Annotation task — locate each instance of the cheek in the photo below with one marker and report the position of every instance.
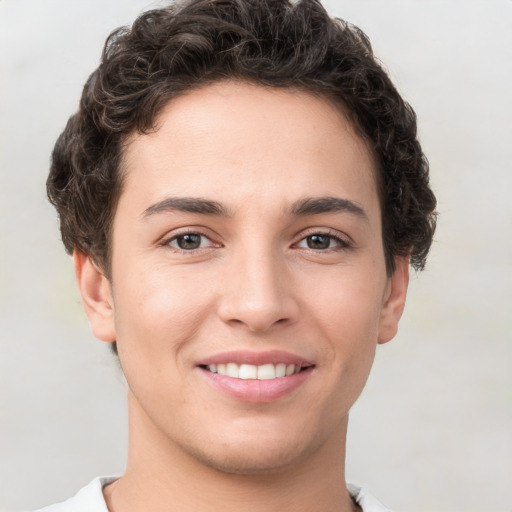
(348, 304)
(157, 315)
(347, 311)
(157, 308)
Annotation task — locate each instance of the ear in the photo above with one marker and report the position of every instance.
(394, 301)
(96, 293)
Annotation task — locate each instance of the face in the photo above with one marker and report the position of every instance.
(249, 287)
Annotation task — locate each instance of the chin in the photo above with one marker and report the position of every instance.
(257, 461)
(256, 453)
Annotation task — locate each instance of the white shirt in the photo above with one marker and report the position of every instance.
(90, 499)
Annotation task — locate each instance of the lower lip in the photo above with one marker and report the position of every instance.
(257, 391)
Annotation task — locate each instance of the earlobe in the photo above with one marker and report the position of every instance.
(96, 293)
(394, 301)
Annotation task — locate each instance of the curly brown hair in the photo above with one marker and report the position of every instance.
(275, 43)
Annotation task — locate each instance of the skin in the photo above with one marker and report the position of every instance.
(256, 282)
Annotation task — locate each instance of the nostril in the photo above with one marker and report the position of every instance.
(258, 308)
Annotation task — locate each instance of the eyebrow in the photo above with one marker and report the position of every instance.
(187, 204)
(301, 207)
(318, 205)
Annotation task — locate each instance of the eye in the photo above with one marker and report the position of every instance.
(190, 241)
(322, 242)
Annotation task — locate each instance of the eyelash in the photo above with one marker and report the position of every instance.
(168, 241)
(341, 244)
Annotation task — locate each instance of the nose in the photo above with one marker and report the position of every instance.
(258, 292)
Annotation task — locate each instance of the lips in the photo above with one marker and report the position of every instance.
(256, 376)
(255, 358)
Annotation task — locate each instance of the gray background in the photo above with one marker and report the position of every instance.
(433, 429)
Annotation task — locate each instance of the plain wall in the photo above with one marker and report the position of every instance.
(433, 429)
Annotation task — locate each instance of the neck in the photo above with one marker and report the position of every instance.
(161, 476)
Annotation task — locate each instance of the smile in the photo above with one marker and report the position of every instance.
(257, 377)
(267, 371)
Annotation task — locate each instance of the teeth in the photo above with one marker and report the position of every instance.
(248, 371)
(251, 371)
(232, 370)
(266, 372)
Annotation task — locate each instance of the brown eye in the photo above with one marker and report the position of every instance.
(323, 242)
(319, 241)
(188, 241)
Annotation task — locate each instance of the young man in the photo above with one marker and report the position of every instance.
(243, 193)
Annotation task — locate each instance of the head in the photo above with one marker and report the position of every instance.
(242, 185)
(277, 44)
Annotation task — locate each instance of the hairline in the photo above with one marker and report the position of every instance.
(125, 139)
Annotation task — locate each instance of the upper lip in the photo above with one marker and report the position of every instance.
(255, 358)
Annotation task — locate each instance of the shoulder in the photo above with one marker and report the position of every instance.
(365, 500)
(88, 499)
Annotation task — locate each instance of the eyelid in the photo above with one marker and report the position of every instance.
(344, 241)
(189, 230)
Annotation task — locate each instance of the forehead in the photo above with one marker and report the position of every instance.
(240, 141)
